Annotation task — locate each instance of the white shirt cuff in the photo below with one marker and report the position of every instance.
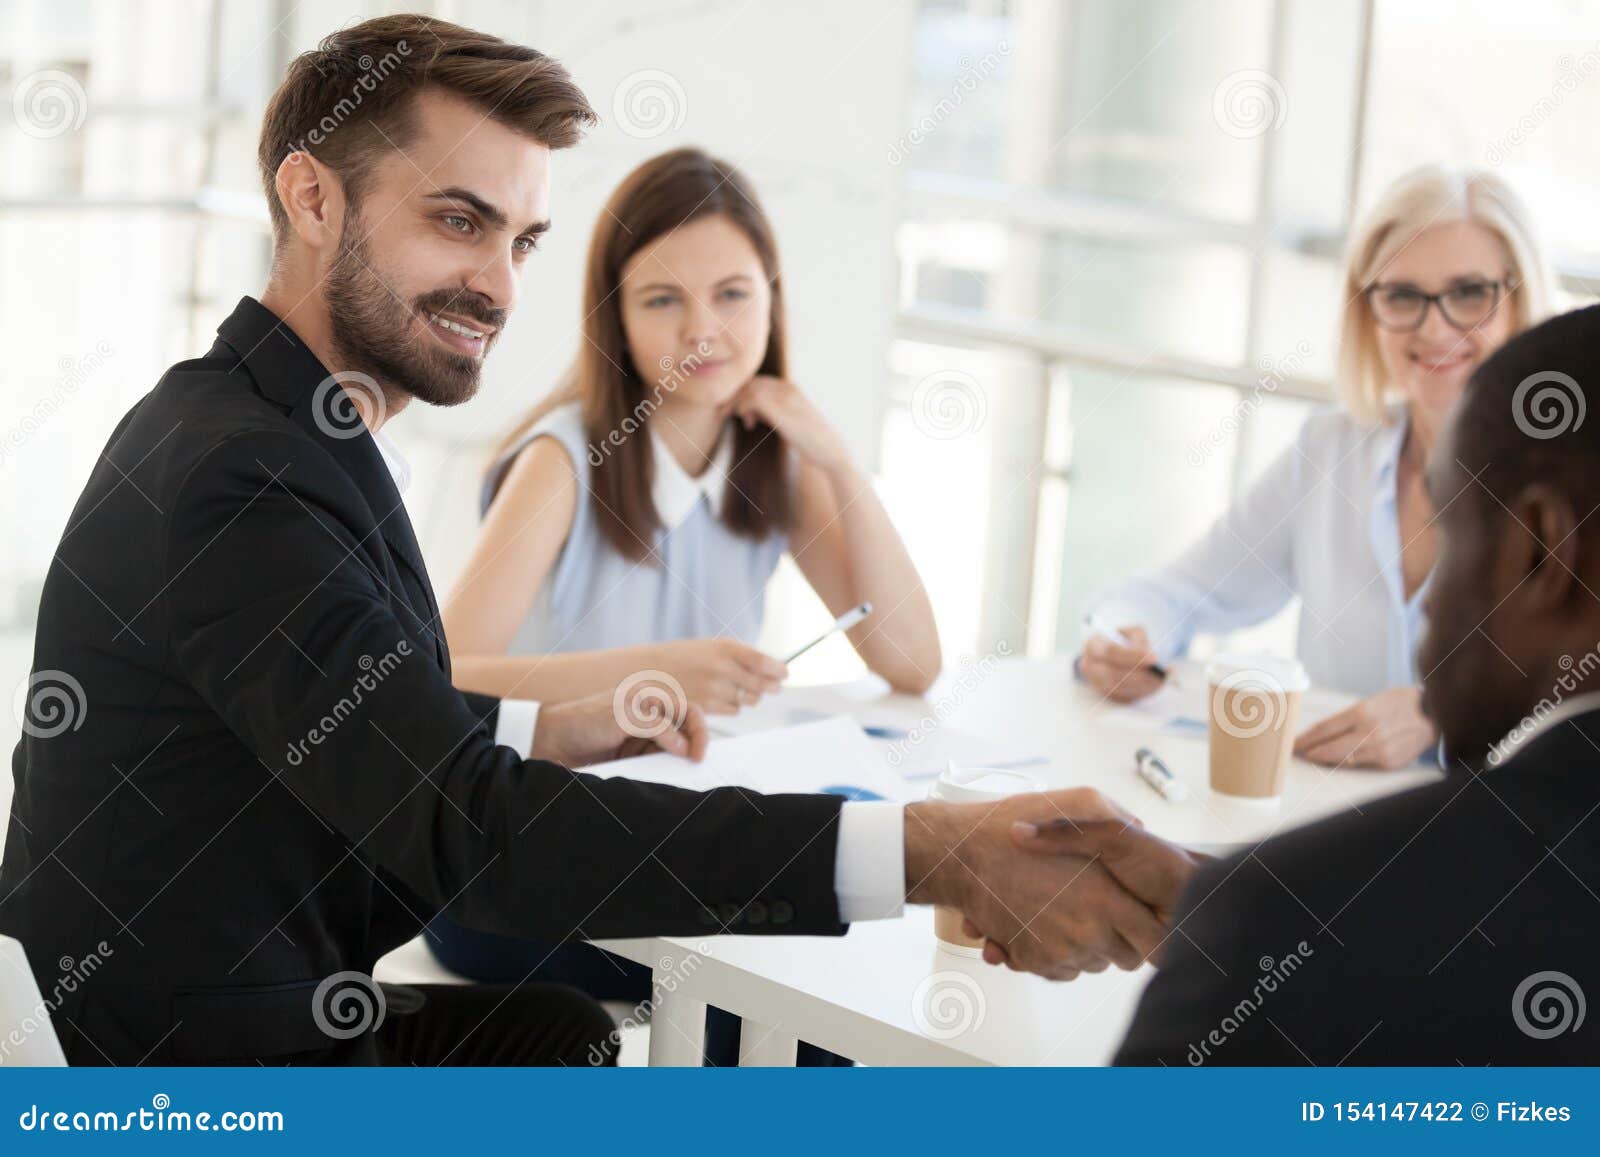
(869, 869)
(514, 724)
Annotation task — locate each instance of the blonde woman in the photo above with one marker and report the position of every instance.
(1442, 271)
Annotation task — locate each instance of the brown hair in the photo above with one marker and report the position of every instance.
(659, 196)
(350, 100)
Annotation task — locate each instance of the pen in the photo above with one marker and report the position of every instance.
(843, 623)
(1099, 626)
(1155, 773)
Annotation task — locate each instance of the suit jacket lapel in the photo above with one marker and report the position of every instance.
(285, 370)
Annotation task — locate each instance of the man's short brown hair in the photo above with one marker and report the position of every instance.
(351, 99)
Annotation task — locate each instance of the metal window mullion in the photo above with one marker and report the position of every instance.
(1266, 225)
(1363, 102)
(961, 327)
(1053, 493)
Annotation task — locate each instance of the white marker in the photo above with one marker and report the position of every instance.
(843, 623)
(1157, 775)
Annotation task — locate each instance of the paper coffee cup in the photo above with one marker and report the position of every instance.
(1253, 706)
(959, 784)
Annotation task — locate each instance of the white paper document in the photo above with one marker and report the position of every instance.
(826, 755)
(1181, 710)
(907, 737)
(922, 754)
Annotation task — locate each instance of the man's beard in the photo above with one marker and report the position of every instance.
(374, 331)
(1473, 695)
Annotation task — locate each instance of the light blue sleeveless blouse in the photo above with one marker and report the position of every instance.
(710, 581)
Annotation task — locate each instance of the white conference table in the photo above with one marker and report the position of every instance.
(885, 993)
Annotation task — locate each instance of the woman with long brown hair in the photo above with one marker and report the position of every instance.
(633, 519)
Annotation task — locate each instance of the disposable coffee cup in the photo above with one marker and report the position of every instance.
(1253, 710)
(959, 784)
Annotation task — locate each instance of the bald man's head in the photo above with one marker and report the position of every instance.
(1512, 603)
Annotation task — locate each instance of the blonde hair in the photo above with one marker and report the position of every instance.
(1424, 197)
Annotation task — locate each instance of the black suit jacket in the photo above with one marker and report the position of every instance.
(1455, 923)
(271, 780)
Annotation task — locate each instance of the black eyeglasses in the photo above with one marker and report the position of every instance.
(1402, 308)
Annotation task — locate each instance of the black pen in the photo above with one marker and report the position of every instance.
(1100, 627)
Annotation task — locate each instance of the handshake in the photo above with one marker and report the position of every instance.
(1055, 883)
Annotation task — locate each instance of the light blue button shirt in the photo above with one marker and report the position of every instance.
(1322, 525)
(705, 581)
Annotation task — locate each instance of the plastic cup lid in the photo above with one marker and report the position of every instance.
(1258, 672)
(963, 784)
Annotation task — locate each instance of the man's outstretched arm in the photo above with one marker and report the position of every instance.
(308, 665)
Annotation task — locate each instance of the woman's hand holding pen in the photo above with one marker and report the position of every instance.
(721, 675)
(1122, 674)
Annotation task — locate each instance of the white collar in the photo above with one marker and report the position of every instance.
(676, 492)
(399, 468)
(1536, 724)
(1398, 417)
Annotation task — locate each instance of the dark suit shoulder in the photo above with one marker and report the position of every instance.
(1466, 829)
(206, 417)
(200, 402)
(1407, 926)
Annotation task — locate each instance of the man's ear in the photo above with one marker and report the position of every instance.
(1540, 549)
(312, 197)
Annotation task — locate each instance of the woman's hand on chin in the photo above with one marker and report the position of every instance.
(785, 407)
